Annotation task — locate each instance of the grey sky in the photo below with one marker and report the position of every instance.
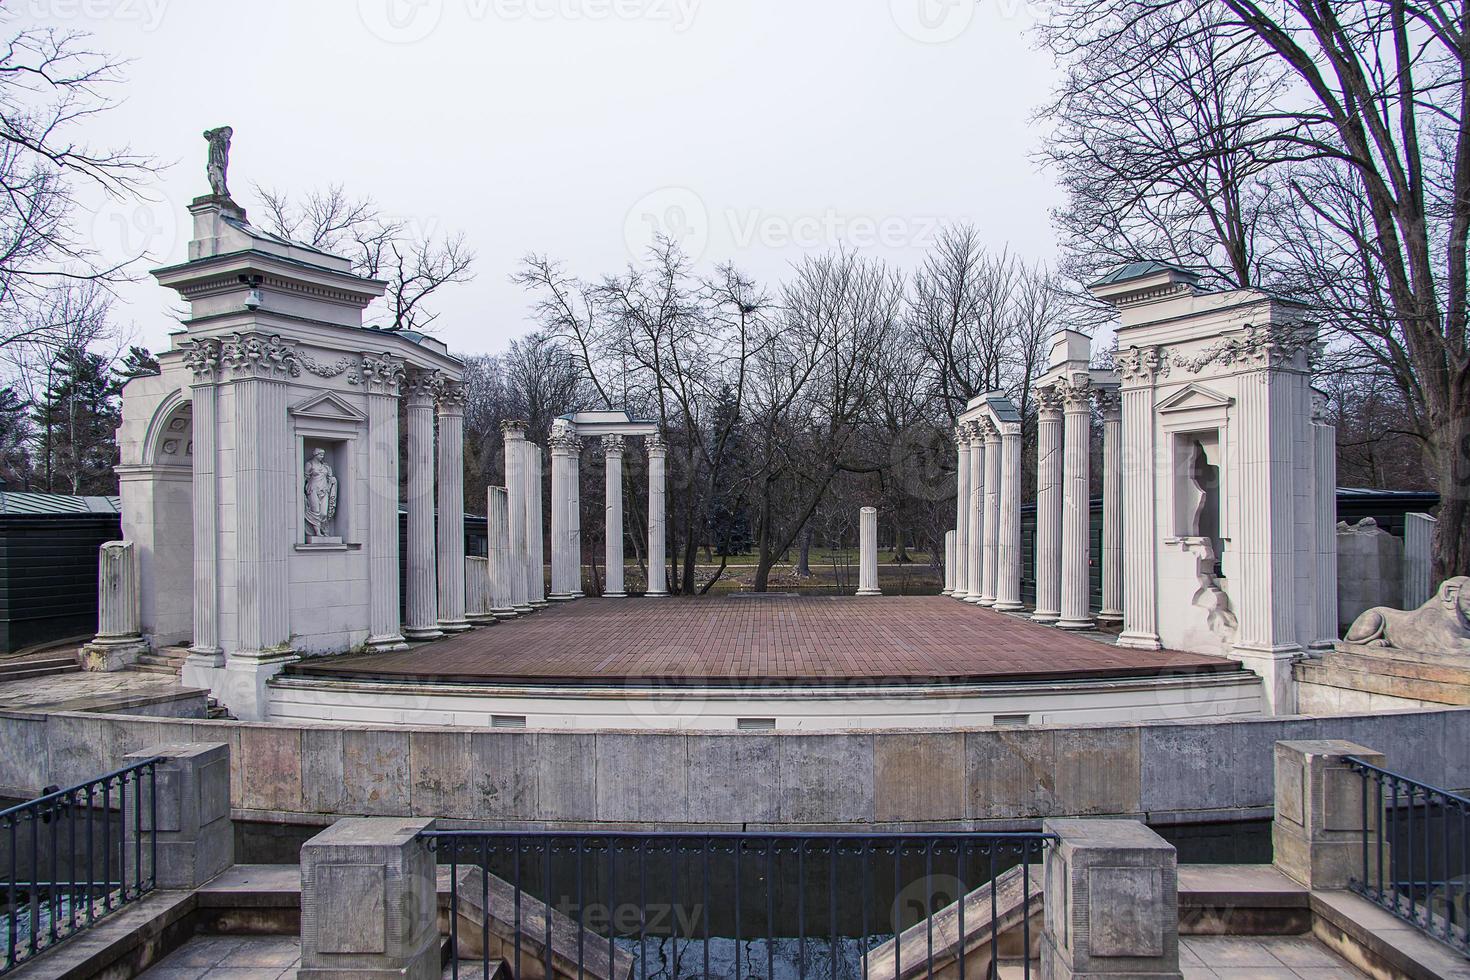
(757, 128)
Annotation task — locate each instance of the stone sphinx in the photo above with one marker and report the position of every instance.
(1441, 625)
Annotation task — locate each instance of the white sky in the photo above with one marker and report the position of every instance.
(757, 128)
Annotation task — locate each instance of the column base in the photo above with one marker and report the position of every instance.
(655, 595)
(422, 634)
(387, 643)
(987, 600)
(110, 655)
(1110, 617)
(1008, 607)
(869, 592)
(242, 685)
(524, 609)
(504, 614)
(455, 625)
(1273, 666)
(1076, 624)
(960, 594)
(974, 599)
(1139, 641)
(615, 595)
(481, 619)
(1046, 615)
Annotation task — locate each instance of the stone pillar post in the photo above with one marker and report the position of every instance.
(423, 588)
(1112, 902)
(1112, 529)
(991, 555)
(1318, 833)
(612, 449)
(868, 552)
(1048, 506)
(962, 512)
(369, 901)
(1324, 512)
(518, 555)
(119, 639)
(381, 377)
(948, 563)
(975, 558)
(203, 358)
(535, 528)
(1076, 505)
(658, 452)
(451, 508)
(189, 797)
(1418, 550)
(477, 598)
(1138, 368)
(563, 474)
(502, 570)
(1008, 537)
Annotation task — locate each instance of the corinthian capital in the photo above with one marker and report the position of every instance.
(263, 356)
(420, 385)
(450, 396)
(612, 445)
(203, 358)
(379, 374)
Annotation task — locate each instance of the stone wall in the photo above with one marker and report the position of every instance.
(992, 777)
(1370, 570)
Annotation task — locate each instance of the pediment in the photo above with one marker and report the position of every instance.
(328, 405)
(1193, 397)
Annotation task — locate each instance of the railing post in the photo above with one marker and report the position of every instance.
(188, 805)
(1323, 832)
(1111, 902)
(369, 905)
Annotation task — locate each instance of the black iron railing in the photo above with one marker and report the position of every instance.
(738, 905)
(73, 856)
(1415, 862)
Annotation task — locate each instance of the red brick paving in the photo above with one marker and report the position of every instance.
(926, 638)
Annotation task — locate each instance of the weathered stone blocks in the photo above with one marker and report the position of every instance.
(188, 802)
(1321, 821)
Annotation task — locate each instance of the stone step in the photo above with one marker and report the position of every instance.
(166, 669)
(499, 969)
(37, 663)
(38, 670)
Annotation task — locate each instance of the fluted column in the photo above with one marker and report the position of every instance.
(382, 376)
(962, 512)
(1048, 506)
(612, 449)
(1076, 504)
(1112, 530)
(451, 507)
(1325, 511)
(518, 556)
(477, 599)
(117, 593)
(1008, 544)
(574, 519)
(1137, 367)
(535, 528)
(658, 452)
(503, 572)
(868, 552)
(563, 475)
(975, 559)
(423, 590)
(948, 563)
(991, 522)
(203, 357)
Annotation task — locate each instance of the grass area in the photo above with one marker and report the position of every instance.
(819, 556)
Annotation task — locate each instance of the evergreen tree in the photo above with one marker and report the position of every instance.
(138, 362)
(15, 433)
(77, 419)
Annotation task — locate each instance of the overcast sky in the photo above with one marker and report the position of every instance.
(756, 129)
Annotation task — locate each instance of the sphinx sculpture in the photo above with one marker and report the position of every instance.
(1441, 625)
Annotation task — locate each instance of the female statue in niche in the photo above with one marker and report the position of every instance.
(321, 495)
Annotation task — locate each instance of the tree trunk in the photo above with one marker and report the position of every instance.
(804, 559)
(900, 546)
(763, 559)
(1450, 445)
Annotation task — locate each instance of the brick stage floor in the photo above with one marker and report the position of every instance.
(740, 640)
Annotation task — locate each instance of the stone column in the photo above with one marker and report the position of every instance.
(381, 377)
(868, 552)
(518, 556)
(203, 358)
(1138, 368)
(1111, 904)
(451, 508)
(119, 639)
(962, 512)
(1324, 512)
(1008, 538)
(1418, 557)
(1319, 828)
(535, 528)
(478, 604)
(502, 570)
(612, 449)
(369, 901)
(574, 520)
(1048, 506)
(1076, 505)
(189, 798)
(423, 588)
(658, 452)
(948, 563)
(975, 558)
(1112, 529)
(991, 523)
(563, 474)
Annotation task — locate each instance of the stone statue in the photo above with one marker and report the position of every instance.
(219, 160)
(321, 495)
(1441, 625)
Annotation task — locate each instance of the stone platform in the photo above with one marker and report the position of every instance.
(1358, 677)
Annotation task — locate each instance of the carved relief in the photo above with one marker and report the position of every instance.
(323, 370)
(379, 374)
(1141, 365)
(320, 489)
(450, 395)
(203, 358)
(1255, 346)
(420, 385)
(263, 356)
(612, 445)
(1049, 400)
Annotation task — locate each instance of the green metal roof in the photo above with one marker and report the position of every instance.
(43, 504)
(1138, 270)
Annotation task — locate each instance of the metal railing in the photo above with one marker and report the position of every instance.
(1415, 861)
(74, 856)
(739, 905)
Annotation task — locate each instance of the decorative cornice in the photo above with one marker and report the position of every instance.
(264, 357)
(379, 374)
(203, 358)
(1254, 347)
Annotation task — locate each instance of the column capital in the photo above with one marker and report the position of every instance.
(1049, 402)
(1141, 366)
(1009, 430)
(420, 386)
(1076, 395)
(514, 428)
(990, 433)
(564, 443)
(449, 395)
(203, 358)
(379, 374)
(612, 445)
(655, 445)
(1109, 402)
(260, 356)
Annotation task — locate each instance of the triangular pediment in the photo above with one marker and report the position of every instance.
(1192, 397)
(328, 405)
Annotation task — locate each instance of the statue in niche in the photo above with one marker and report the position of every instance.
(1441, 625)
(219, 160)
(321, 495)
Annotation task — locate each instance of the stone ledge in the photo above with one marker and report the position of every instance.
(1378, 943)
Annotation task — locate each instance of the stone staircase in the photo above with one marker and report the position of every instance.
(168, 660)
(43, 666)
